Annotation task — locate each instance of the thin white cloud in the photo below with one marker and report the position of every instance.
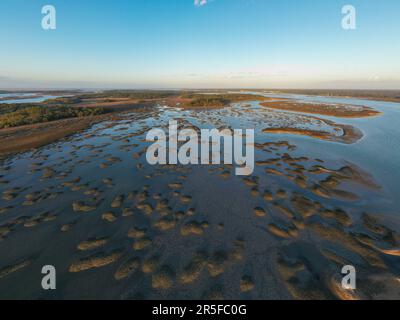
(200, 3)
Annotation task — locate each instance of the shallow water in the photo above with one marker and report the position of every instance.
(378, 151)
(25, 100)
(196, 232)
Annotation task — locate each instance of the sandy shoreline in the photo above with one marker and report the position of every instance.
(28, 137)
(332, 110)
(350, 134)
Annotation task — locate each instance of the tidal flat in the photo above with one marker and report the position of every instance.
(325, 193)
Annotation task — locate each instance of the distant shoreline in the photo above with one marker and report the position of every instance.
(367, 94)
(19, 97)
(376, 95)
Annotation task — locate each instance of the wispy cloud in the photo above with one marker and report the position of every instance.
(200, 3)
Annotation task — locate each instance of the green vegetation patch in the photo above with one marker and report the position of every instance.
(207, 102)
(37, 114)
(218, 100)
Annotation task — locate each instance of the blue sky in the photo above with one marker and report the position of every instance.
(176, 44)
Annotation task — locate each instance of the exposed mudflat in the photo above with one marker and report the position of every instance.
(115, 227)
